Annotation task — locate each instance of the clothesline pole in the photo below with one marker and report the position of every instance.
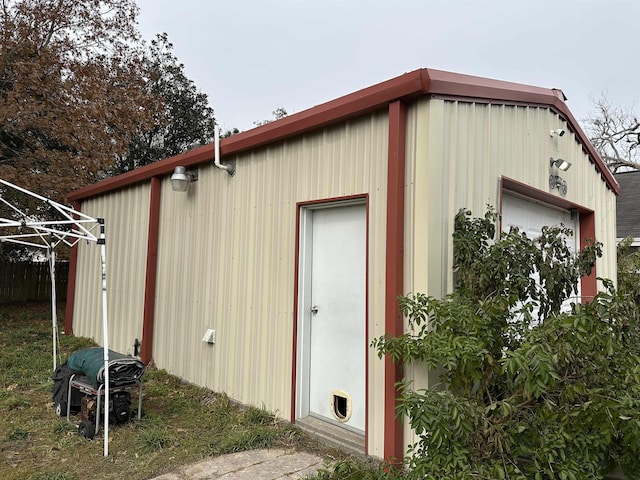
(105, 334)
(54, 317)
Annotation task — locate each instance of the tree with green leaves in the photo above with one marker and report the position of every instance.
(528, 391)
(278, 113)
(184, 121)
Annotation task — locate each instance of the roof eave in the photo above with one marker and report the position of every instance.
(373, 98)
(410, 85)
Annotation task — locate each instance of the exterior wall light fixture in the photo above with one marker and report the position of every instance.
(555, 181)
(560, 164)
(181, 179)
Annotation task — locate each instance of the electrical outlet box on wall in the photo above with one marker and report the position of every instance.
(209, 336)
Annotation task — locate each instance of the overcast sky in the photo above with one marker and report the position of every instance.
(253, 56)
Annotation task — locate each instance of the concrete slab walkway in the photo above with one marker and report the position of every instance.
(269, 464)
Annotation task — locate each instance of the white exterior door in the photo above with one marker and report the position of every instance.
(530, 217)
(333, 316)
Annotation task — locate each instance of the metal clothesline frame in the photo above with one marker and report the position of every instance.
(73, 227)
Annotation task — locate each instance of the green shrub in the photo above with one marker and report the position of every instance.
(532, 393)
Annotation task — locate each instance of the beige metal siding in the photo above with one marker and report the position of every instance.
(226, 256)
(226, 261)
(458, 153)
(126, 214)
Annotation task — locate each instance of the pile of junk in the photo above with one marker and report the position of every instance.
(79, 387)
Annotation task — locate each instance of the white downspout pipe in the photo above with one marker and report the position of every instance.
(216, 145)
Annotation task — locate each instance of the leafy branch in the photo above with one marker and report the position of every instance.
(530, 389)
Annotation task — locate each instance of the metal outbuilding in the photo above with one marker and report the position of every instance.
(270, 284)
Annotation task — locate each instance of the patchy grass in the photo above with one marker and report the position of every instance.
(181, 423)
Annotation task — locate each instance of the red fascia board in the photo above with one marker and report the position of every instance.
(407, 86)
(460, 85)
(373, 98)
(192, 157)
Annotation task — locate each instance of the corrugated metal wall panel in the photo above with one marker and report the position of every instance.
(126, 214)
(458, 153)
(227, 261)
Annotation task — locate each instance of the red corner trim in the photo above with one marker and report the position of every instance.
(588, 283)
(394, 325)
(148, 315)
(71, 284)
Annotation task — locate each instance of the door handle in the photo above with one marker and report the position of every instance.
(314, 309)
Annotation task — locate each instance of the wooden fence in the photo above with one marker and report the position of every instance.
(31, 282)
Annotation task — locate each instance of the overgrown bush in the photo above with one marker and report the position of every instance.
(532, 391)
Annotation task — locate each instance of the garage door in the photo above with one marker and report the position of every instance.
(530, 217)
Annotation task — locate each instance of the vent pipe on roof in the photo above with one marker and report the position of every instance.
(231, 168)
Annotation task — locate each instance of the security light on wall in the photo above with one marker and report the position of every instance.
(560, 164)
(181, 179)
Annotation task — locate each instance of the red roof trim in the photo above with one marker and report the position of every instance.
(163, 167)
(377, 97)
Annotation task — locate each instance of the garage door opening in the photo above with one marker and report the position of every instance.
(529, 216)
